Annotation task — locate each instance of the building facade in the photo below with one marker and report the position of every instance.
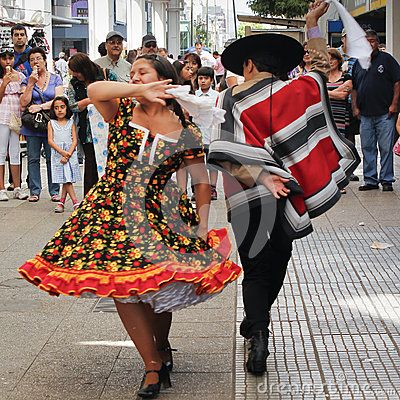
(81, 25)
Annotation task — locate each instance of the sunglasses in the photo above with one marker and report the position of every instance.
(151, 44)
(115, 42)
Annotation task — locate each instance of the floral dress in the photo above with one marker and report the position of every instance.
(133, 237)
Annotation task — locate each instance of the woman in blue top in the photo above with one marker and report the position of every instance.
(41, 83)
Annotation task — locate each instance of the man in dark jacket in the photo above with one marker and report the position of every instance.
(375, 101)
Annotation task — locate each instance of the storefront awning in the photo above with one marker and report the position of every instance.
(71, 21)
(292, 23)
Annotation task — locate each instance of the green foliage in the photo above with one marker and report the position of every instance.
(276, 8)
(242, 27)
(200, 32)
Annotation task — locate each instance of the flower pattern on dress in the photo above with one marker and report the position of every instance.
(134, 232)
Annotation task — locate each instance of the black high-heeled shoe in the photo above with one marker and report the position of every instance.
(169, 363)
(151, 391)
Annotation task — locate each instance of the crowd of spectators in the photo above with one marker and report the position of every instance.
(363, 102)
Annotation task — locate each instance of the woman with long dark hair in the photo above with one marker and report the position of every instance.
(139, 241)
(184, 72)
(85, 72)
(194, 61)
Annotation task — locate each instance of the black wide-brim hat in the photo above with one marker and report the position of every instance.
(288, 51)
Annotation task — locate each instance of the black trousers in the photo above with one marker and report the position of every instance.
(90, 176)
(264, 267)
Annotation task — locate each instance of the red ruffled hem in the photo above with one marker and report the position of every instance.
(55, 280)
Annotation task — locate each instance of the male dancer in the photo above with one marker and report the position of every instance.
(284, 163)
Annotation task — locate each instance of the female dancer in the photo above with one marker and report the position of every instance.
(132, 238)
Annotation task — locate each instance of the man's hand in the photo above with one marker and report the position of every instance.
(316, 10)
(356, 112)
(275, 184)
(392, 110)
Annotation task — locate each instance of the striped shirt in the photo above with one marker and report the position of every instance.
(340, 108)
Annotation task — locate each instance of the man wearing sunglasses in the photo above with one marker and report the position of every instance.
(149, 45)
(113, 60)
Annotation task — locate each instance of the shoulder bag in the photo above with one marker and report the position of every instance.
(36, 122)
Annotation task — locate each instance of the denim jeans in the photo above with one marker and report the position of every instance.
(377, 132)
(34, 146)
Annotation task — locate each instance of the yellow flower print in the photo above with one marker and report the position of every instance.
(158, 236)
(78, 265)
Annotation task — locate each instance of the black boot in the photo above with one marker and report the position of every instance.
(258, 353)
(245, 328)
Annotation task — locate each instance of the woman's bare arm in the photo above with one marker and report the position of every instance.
(202, 191)
(103, 94)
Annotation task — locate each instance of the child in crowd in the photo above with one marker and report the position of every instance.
(63, 140)
(10, 91)
(205, 78)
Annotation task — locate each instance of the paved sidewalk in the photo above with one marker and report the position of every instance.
(335, 327)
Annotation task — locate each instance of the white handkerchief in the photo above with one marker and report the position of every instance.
(357, 44)
(202, 111)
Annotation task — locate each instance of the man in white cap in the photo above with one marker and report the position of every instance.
(61, 67)
(113, 60)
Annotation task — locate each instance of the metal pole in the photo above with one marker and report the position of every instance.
(234, 17)
(206, 23)
(191, 23)
(215, 25)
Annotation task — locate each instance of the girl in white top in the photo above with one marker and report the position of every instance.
(63, 140)
(10, 91)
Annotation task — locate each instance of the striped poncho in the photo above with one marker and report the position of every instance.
(292, 135)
